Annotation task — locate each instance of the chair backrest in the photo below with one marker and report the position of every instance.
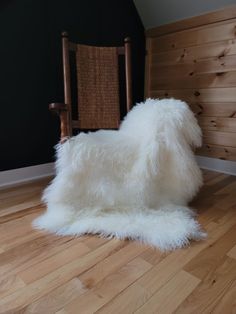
(97, 72)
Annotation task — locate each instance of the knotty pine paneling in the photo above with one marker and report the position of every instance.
(198, 65)
(219, 138)
(218, 124)
(192, 95)
(221, 152)
(189, 54)
(190, 80)
(193, 37)
(217, 109)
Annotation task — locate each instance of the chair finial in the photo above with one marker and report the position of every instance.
(64, 34)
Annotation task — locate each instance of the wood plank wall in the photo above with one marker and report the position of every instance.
(198, 64)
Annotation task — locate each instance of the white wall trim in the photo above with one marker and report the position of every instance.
(13, 177)
(16, 176)
(225, 166)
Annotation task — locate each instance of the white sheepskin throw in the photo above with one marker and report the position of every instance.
(131, 183)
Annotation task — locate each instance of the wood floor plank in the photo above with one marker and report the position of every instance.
(232, 252)
(21, 239)
(167, 299)
(210, 176)
(91, 301)
(153, 256)
(19, 211)
(211, 289)
(32, 252)
(16, 227)
(10, 284)
(211, 257)
(93, 242)
(135, 296)
(139, 292)
(57, 298)
(46, 284)
(24, 188)
(212, 214)
(206, 197)
(20, 202)
(229, 204)
(21, 197)
(227, 304)
(228, 189)
(44, 273)
(216, 179)
(52, 263)
(110, 264)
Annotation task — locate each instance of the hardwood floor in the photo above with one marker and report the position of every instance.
(43, 273)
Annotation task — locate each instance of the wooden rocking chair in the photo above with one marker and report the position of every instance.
(97, 72)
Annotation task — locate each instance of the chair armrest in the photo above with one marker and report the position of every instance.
(58, 107)
(62, 110)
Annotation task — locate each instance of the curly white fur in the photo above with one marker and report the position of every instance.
(131, 183)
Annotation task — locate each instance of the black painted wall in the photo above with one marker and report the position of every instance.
(31, 69)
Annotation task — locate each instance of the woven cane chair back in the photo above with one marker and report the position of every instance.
(97, 71)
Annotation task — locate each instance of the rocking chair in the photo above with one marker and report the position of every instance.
(98, 102)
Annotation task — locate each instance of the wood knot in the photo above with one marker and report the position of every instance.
(200, 106)
(221, 55)
(213, 123)
(196, 93)
(89, 283)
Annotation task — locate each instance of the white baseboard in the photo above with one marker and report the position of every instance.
(16, 176)
(13, 177)
(225, 166)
